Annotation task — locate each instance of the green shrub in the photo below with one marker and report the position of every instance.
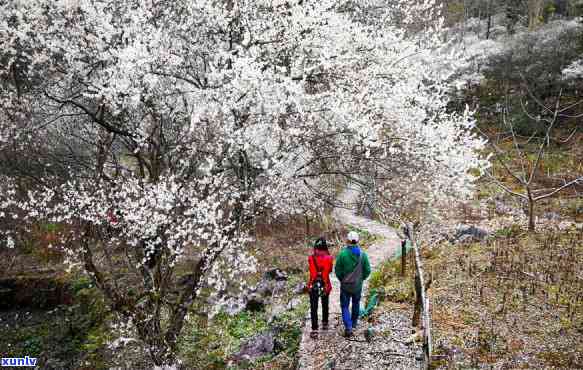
(388, 280)
(511, 231)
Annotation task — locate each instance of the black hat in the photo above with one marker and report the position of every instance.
(321, 244)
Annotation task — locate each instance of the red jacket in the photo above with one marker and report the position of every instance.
(325, 262)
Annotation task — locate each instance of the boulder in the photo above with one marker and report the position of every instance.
(276, 311)
(502, 208)
(234, 306)
(468, 233)
(293, 303)
(256, 303)
(259, 345)
(300, 288)
(264, 288)
(275, 274)
(269, 287)
(51, 363)
(551, 216)
(272, 284)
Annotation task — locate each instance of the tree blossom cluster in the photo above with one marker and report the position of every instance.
(164, 129)
(522, 48)
(574, 70)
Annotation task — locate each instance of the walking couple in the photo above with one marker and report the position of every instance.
(352, 268)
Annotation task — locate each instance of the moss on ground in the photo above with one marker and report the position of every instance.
(211, 344)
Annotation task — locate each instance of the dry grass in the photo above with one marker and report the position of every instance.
(285, 244)
(515, 301)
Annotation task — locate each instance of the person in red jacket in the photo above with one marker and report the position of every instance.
(319, 286)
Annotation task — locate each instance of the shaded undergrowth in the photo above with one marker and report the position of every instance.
(212, 344)
(69, 336)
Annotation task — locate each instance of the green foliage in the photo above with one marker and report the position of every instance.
(490, 92)
(209, 344)
(69, 334)
(511, 231)
(50, 227)
(549, 11)
(83, 282)
(387, 279)
(455, 10)
(242, 325)
(32, 344)
(202, 345)
(289, 326)
(377, 279)
(94, 343)
(524, 125)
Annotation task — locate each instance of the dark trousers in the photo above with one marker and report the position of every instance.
(350, 317)
(314, 308)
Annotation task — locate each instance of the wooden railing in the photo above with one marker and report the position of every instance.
(422, 302)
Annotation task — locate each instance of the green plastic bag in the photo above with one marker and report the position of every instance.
(373, 300)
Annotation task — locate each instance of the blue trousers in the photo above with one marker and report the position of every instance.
(350, 317)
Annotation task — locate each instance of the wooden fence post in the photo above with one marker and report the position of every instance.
(420, 293)
(403, 257)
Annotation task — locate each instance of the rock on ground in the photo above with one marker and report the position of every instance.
(257, 346)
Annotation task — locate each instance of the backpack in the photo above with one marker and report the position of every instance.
(351, 282)
(318, 287)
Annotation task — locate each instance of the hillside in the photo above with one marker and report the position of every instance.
(166, 168)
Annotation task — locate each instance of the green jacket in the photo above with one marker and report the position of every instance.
(346, 263)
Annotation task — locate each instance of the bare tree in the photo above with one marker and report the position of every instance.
(529, 172)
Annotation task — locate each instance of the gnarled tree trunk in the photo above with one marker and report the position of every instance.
(535, 12)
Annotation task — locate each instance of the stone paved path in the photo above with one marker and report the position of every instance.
(315, 354)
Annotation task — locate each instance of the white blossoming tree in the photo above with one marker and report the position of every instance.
(162, 130)
(574, 70)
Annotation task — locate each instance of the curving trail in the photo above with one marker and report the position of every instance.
(323, 352)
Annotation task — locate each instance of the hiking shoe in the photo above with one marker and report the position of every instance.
(347, 333)
(324, 326)
(314, 335)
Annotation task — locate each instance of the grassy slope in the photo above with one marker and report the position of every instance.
(515, 300)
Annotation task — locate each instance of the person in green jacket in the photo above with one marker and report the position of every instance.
(346, 263)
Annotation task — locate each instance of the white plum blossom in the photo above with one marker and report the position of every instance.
(574, 70)
(165, 129)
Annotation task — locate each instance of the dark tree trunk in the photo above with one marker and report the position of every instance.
(531, 224)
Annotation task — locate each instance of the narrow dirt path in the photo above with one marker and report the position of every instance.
(331, 350)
